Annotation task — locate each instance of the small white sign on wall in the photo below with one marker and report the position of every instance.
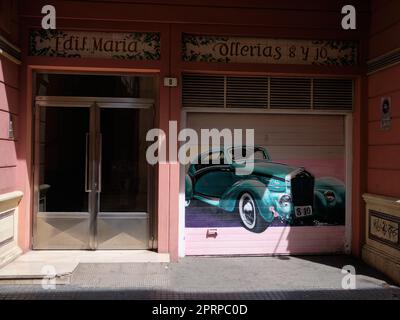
(386, 113)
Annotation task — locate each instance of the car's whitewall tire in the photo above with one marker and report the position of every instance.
(249, 215)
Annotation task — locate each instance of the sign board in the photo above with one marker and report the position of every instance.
(85, 44)
(271, 51)
(386, 113)
(384, 228)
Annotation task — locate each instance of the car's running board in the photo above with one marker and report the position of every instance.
(208, 200)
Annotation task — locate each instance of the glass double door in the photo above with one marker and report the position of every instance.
(92, 179)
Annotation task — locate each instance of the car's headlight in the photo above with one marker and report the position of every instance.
(329, 196)
(285, 200)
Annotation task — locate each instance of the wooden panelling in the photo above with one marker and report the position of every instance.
(384, 182)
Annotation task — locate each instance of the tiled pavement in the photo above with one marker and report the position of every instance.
(252, 278)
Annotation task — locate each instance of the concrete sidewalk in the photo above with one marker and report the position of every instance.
(216, 278)
(31, 267)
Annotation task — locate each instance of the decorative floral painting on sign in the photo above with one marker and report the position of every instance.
(272, 51)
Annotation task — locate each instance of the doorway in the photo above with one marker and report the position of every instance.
(93, 185)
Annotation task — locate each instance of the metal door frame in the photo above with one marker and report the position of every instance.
(94, 104)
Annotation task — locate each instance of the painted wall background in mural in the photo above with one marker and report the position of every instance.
(298, 177)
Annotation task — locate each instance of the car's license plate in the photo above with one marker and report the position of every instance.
(304, 211)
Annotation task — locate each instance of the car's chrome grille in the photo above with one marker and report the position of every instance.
(303, 189)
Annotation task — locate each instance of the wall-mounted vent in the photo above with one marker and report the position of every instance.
(383, 62)
(203, 91)
(333, 94)
(267, 92)
(289, 93)
(246, 92)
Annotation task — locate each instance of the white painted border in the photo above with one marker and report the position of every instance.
(348, 127)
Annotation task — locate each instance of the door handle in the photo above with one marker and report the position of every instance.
(100, 161)
(86, 163)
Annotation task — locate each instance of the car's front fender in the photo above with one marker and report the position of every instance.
(330, 211)
(257, 189)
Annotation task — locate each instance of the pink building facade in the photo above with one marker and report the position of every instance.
(77, 103)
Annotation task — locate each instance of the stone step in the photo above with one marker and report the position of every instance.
(38, 267)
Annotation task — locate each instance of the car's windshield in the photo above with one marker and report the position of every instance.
(216, 157)
(240, 155)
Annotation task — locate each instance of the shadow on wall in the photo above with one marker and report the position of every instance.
(10, 134)
(14, 155)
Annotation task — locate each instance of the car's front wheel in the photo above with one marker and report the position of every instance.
(249, 215)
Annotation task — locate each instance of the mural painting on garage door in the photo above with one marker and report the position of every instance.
(297, 181)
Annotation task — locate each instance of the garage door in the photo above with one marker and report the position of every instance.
(294, 201)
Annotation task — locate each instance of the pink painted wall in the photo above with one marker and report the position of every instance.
(275, 18)
(9, 95)
(384, 145)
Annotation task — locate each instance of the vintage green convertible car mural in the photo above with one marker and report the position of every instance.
(272, 191)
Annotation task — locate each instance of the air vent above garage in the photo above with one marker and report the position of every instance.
(290, 93)
(333, 94)
(246, 92)
(214, 91)
(203, 91)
